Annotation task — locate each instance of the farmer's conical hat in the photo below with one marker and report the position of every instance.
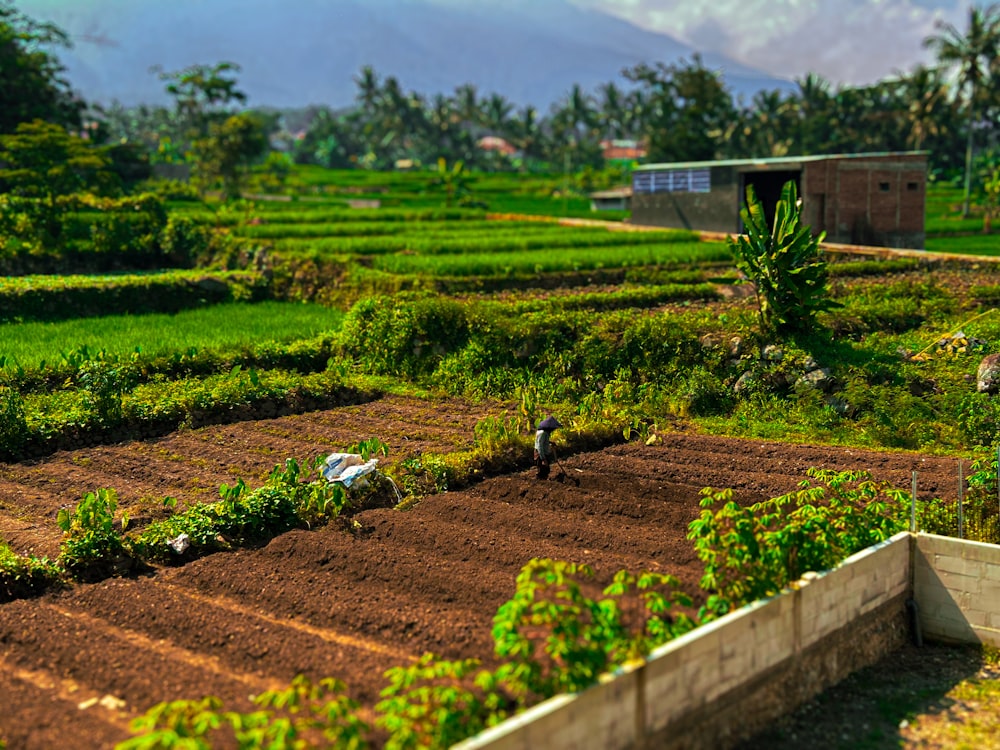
(549, 423)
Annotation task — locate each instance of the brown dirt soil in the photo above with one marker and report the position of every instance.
(331, 603)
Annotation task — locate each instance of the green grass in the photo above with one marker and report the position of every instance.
(227, 326)
(553, 260)
(976, 244)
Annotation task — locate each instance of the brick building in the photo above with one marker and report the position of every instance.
(858, 199)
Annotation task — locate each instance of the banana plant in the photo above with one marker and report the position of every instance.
(784, 263)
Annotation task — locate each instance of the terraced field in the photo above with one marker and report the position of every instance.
(348, 600)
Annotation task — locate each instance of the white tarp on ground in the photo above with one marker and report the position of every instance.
(350, 469)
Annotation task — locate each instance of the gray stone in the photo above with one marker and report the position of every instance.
(772, 353)
(988, 375)
(743, 382)
(820, 378)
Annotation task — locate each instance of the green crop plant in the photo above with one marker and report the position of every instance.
(105, 383)
(425, 474)
(369, 448)
(784, 263)
(305, 715)
(176, 725)
(495, 436)
(13, 425)
(434, 704)
(91, 543)
(754, 552)
(652, 607)
(578, 634)
(23, 576)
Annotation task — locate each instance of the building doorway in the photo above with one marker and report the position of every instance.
(767, 186)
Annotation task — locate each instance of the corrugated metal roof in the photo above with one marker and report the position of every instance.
(792, 161)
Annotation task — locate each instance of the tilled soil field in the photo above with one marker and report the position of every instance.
(78, 664)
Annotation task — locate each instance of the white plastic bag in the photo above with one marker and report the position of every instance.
(336, 463)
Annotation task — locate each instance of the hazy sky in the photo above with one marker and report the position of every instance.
(848, 41)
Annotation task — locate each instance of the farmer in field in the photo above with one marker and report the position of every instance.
(545, 452)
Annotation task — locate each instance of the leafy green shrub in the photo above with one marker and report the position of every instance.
(92, 546)
(434, 704)
(105, 383)
(239, 517)
(702, 393)
(304, 715)
(754, 552)
(425, 474)
(498, 435)
(183, 240)
(170, 190)
(580, 637)
(13, 425)
(24, 576)
(979, 418)
(407, 335)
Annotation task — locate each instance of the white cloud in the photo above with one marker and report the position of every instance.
(846, 41)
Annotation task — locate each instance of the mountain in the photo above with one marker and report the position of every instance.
(299, 52)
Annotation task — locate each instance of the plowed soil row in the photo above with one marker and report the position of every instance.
(76, 665)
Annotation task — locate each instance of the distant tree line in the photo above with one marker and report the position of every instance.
(680, 112)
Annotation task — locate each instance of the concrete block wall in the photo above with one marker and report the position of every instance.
(726, 680)
(957, 589)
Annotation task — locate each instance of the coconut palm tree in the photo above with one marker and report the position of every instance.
(927, 94)
(368, 88)
(611, 111)
(972, 54)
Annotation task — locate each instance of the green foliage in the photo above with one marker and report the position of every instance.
(13, 426)
(433, 704)
(43, 160)
(24, 576)
(701, 392)
(499, 435)
(176, 725)
(227, 152)
(105, 383)
(754, 552)
(784, 264)
(32, 85)
(183, 241)
(317, 501)
(553, 638)
(369, 448)
(407, 335)
(425, 474)
(240, 516)
(91, 543)
(49, 298)
(304, 715)
(979, 418)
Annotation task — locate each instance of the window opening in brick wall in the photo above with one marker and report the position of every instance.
(672, 181)
(883, 187)
(914, 186)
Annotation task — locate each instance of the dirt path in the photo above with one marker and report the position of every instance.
(82, 662)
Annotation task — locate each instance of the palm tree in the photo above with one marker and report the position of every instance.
(496, 114)
(611, 111)
(926, 92)
(368, 88)
(972, 53)
(467, 104)
(815, 116)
